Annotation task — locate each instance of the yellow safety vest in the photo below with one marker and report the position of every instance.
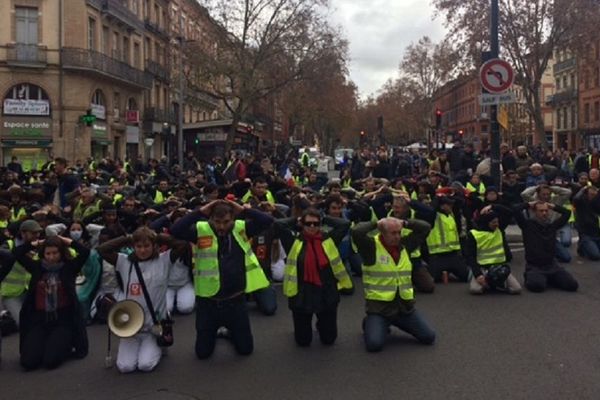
(490, 247)
(290, 277)
(480, 189)
(383, 280)
(118, 197)
(248, 196)
(207, 280)
(443, 238)
(347, 183)
(17, 280)
(159, 198)
(81, 213)
(571, 208)
(21, 214)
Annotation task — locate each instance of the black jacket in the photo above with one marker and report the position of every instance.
(67, 276)
(540, 239)
(586, 214)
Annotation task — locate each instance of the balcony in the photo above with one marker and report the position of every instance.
(160, 72)
(26, 55)
(564, 65)
(155, 114)
(93, 61)
(565, 96)
(156, 29)
(117, 10)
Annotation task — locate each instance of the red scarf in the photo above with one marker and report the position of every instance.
(393, 250)
(314, 258)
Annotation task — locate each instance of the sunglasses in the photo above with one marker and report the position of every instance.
(313, 224)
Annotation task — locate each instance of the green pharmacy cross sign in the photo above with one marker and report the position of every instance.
(88, 119)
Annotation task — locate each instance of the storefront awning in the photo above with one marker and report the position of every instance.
(27, 143)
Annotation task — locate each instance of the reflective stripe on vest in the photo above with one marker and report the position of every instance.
(117, 198)
(249, 195)
(290, 277)
(571, 208)
(443, 238)
(17, 280)
(81, 213)
(480, 190)
(385, 278)
(206, 270)
(21, 214)
(490, 247)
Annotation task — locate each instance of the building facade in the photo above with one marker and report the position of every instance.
(565, 101)
(589, 95)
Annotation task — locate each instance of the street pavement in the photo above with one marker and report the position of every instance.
(496, 346)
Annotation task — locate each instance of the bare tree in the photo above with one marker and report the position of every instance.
(530, 30)
(260, 48)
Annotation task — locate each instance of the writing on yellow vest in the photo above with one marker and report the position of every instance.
(386, 278)
(207, 280)
(290, 277)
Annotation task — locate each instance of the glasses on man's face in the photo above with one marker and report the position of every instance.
(314, 224)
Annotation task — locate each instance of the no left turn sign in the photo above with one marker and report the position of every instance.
(496, 76)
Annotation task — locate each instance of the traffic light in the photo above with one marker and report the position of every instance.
(438, 118)
(88, 119)
(461, 132)
(362, 134)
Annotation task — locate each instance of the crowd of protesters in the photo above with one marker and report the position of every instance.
(211, 235)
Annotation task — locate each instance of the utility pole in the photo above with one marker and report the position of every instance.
(494, 127)
(181, 96)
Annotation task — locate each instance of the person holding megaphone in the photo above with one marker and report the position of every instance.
(138, 348)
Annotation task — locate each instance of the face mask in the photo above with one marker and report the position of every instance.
(75, 235)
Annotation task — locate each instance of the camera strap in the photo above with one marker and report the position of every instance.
(145, 291)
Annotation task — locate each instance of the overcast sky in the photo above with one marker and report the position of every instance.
(378, 32)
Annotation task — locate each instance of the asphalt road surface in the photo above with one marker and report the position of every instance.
(532, 346)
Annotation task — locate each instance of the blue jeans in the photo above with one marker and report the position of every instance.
(376, 328)
(589, 246)
(562, 252)
(565, 235)
(266, 300)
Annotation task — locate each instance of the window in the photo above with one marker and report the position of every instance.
(157, 53)
(564, 84)
(105, 40)
(27, 25)
(134, 6)
(157, 96)
(148, 49)
(132, 104)
(26, 91)
(597, 111)
(115, 46)
(157, 14)
(558, 114)
(557, 84)
(91, 34)
(165, 98)
(572, 81)
(596, 77)
(136, 56)
(146, 9)
(586, 113)
(126, 49)
(565, 118)
(117, 105)
(573, 116)
(98, 98)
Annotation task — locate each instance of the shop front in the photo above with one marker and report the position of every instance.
(208, 139)
(27, 138)
(100, 140)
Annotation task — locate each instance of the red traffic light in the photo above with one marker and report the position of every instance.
(362, 133)
(438, 112)
(461, 132)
